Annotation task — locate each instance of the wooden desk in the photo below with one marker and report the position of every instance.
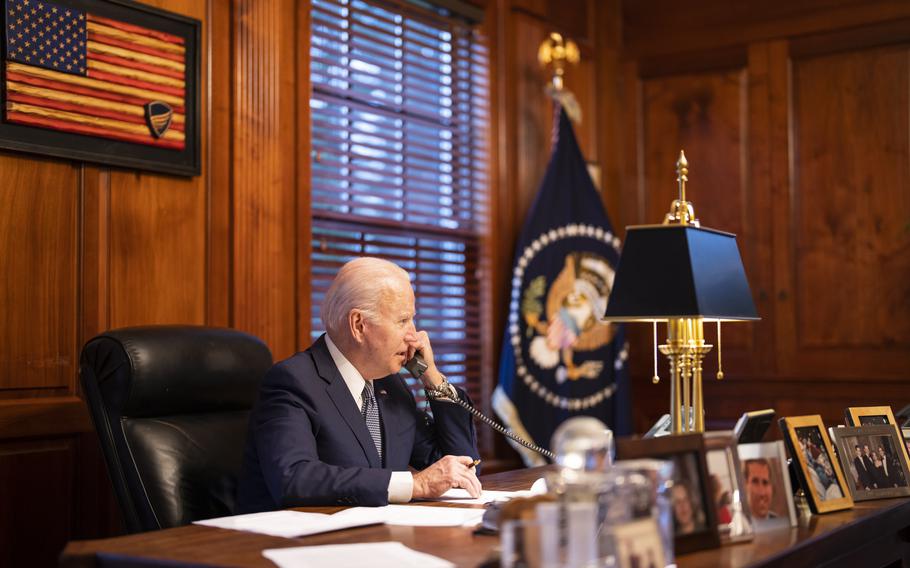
(874, 533)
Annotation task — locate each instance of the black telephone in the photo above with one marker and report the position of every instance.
(417, 367)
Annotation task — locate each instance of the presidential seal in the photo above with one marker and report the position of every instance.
(561, 319)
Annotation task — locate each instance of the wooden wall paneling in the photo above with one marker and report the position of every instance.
(304, 175)
(574, 18)
(534, 124)
(610, 102)
(850, 197)
(264, 174)
(157, 249)
(759, 177)
(490, 273)
(37, 497)
(38, 252)
(219, 70)
(94, 262)
(655, 27)
(95, 510)
(581, 80)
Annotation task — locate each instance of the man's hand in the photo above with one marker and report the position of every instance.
(449, 472)
(420, 341)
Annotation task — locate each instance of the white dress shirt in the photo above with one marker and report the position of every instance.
(401, 484)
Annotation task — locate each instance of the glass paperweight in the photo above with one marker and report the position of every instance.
(583, 443)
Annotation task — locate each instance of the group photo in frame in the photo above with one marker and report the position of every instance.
(867, 415)
(114, 82)
(873, 458)
(694, 516)
(818, 469)
(734, 520)
(768, 488)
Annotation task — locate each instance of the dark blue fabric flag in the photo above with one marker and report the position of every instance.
(558, 359)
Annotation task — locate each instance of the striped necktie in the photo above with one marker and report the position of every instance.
(370, 413)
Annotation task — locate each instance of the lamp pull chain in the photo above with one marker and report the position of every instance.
(655, 379)
(720, 369)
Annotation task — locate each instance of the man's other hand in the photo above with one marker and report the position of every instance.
(449, 472)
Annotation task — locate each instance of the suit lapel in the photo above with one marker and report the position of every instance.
(341, 397)
(387, 413)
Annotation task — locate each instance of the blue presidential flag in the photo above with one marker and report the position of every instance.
(559, 359)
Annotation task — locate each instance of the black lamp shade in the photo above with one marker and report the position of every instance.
(679, 271)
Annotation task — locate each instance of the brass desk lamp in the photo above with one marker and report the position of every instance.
(685, 275)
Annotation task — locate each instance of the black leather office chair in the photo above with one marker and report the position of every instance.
(171, 404)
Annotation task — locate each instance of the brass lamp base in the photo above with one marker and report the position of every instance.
(685, 348)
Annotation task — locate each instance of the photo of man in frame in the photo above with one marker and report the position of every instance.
(766, 485)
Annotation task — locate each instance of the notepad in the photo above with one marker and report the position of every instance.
(421, 516)
(462, 497)
(380, 555)
(290, 524)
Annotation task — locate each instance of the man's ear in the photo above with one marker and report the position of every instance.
(357, 324)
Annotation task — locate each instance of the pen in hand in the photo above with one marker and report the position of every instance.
(475, 463)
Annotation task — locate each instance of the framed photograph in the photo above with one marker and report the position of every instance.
(863, 415)
(638, 544)
(905, 432)
(694, 516)
(734, 521)
(818, 470)
(873, 458)
(866, 415)
(109, 81)
(767, 485)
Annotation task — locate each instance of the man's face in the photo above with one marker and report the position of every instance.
(866, 450)
(386, 340)
(859, 452)
(881, 452)
(758, 482)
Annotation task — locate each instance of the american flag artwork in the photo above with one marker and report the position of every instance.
(72, 71)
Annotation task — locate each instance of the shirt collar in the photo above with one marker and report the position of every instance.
(352, 377)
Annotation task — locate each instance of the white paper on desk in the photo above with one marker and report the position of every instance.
(462, 497)
(374, 554)
(291, 524)
(418, 516)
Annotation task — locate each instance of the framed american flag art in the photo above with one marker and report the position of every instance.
(107, 81)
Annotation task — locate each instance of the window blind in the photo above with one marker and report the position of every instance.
(399, 115)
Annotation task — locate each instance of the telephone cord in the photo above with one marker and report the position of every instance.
(502, 430)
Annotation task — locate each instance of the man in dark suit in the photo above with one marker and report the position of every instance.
(891, 469)
(337, 425)
(865, 476)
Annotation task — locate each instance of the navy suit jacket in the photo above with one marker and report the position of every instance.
(308, 444)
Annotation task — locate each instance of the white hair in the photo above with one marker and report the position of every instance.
(361, 284)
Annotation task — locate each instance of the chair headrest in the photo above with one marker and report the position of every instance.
(166, 370)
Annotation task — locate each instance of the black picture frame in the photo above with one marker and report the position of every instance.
(96, 149)
(687, 450)
(864, 483)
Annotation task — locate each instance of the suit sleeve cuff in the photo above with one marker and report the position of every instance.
(401, 487)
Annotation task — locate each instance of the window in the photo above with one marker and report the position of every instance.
(399, 133)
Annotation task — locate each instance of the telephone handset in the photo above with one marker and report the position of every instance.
(417, 367)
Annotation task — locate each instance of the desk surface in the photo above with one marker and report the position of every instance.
(873, 533)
